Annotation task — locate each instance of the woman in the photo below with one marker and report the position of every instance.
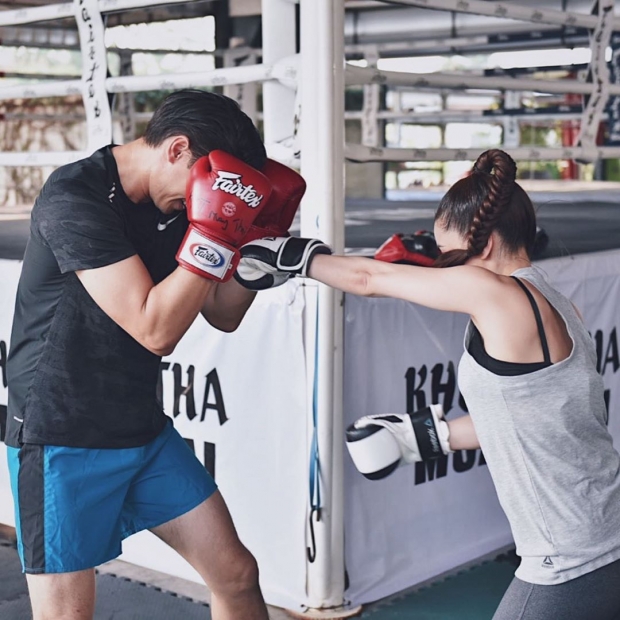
(528, 375)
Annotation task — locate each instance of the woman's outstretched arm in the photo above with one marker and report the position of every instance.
(463, 434)
(458, 289)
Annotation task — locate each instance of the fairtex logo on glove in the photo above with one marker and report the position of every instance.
(206, 256)
(230, 182)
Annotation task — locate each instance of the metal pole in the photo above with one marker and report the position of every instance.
(370, 111)
(279, 41)
(360, 153)
(126, 101)
(468, 81)
(58, 11)
(167, 81)
(322, 164)
(536, 14)
(244, 94)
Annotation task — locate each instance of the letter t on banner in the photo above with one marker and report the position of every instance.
(94, 73)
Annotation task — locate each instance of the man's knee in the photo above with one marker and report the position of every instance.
(239, 576)
(62, 596)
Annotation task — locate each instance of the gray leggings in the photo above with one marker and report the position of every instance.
(594, 596)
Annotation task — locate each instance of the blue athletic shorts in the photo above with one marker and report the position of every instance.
(74, 506)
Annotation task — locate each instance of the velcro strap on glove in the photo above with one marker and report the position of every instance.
(432, 433)
(296, 254)
(207, 257)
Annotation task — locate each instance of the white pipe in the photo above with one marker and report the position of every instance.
(40, 158)
(244, 94)
(428, 118)
(409, 22)
(359, 153)
(370, 107)
(360, 75)
(279, 41)
(218, 77)
(126, 104)
(322, 165)
(58, 88)
(443, 44)
(536, 15)
(133, 83)
(464, 116)
(106, 6)
(58, 11)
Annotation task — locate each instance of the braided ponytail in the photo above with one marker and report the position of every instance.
(486, 193)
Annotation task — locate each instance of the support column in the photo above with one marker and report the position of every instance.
(322, 215)
(279, 41)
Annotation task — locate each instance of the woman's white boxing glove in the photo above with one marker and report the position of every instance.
(378, 444)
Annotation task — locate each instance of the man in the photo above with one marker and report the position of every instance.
(93, 458)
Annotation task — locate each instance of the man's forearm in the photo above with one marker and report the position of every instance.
(172, 306)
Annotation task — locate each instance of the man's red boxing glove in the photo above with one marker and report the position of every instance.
(288, 188)
(224, 196)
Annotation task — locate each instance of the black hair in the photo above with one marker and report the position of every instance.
(487, 200)
(209, 121)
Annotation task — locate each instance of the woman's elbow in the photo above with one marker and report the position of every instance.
(366, 285)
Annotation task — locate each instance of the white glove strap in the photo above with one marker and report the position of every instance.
(205, 254)
(443, 430)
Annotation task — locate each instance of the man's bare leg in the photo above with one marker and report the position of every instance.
(207, 539)
(62, 596)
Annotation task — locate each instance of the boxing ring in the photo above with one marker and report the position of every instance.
(265, 407)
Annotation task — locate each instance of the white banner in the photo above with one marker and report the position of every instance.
(240, 400)
(424, 520)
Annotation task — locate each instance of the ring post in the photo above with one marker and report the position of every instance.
(322, 215)
(279, 41)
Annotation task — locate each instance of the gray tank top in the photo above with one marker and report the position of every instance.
(545, 439)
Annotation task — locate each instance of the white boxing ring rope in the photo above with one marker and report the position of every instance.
(282, 71)
(285, 72)
(504, 10)
(51, 12)
(319, 74)
(366, 75)
(360, 153)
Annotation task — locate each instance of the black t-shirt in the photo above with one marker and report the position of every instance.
(75, 377)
